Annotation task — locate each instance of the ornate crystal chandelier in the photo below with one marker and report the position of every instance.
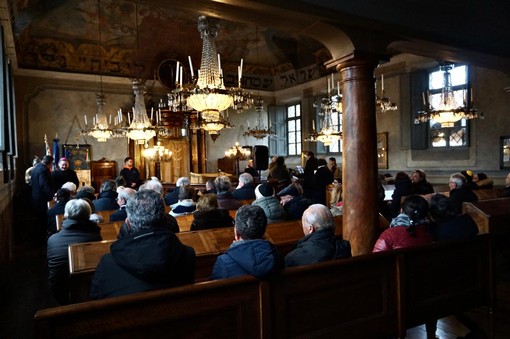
(448, 108)
(384, 103)
(140, 127)
(209, 96)
(259, 131)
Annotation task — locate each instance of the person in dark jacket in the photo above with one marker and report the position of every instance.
(319, 243)
(245, 189)
(76, 228)
(63, 196)
(151, 258)
(86, 192)
(280, 172)
(124, 194)
(310, 167)
(460, 192)
(130, 174)
(251, 170)
(420, 183)
(208, 214)
(225, 198)
(293, 201)
(172, 196)
(249, 253)
(107, 197)
(403, 187)
(64, 174)
(42, 192)
(322, 178)
(448, 225)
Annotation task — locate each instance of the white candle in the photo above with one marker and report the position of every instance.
(152, 113)
(329, 85)
(382, 82)
(239, 73)
(241, 68)
(180, 76)
(423, 95)
(248, 121)
(338, 88)
(159, 114)
(472, 97)
(191, 66)
(219, 63)
(177, 72)
(129, 118)
(110, 119)
(85, 120)
(313, 125)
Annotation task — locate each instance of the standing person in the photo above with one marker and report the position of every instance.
(76, 228)
(420, 183)
(150, 258)
(337, 172)
(42, 192)
(64, 174)
(310, 167)
(322, 178)
(460, 192)
(251, 170)
(130, 174)
(319, 243)
(280, 171)
(250, 253)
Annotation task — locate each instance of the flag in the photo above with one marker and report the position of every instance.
(56, 153)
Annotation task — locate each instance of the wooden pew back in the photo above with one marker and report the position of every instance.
(217, 309)
(491, 216)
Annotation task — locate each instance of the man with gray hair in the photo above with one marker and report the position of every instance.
(76, 228)
(172, 196)
(225, 198)
(250, 253)
(319, 243)
(460, 192)
(245, 189)
(150, 258)
(124, 194)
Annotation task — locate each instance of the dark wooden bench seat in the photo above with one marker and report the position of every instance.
(368, 296)
(491, 215)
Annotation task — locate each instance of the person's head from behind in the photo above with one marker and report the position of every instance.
(418, 175)
(251, 223)
(128, 162)
(280, 161)
(264, 191)
(207, 202)
(145, 210)
(86, 192)
(182, 181)
(310, 154)
(71, 186)
(124, 195)
(479, 177)
(441, 208)
(315, 218)
(108, 185)
(186, 192)
(36, 160)
(77, 209)
(209, 185)
(63, 195)
(245, 179)
(322, 162)
(222, 184)
(416, 207)
(47, 161)
(457, 180)
(401, 177)
(153, 185)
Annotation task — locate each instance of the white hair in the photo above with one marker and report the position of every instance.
(70, 186)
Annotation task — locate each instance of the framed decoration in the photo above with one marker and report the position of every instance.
(79, 157)
(382, 150)
(504, 152)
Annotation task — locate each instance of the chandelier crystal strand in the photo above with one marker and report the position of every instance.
(101, 129)
(140, 128)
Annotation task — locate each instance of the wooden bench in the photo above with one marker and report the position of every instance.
(362, 297)
(491, 215)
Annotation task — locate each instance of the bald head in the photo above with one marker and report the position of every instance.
(316, 217)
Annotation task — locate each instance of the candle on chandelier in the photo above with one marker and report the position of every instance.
(152, 113)
(180, 75)
(85, 120)
(177, 73)
(382, 82)
(110, 119)
(338, 88)
(219, 63)
(472, 97)
(424, 101)
(129, 118)
(191, 66)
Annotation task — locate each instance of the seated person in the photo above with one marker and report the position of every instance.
(225, 198)
(447, 224)
(319, 243)
(71, 187)
(208, 214)
(172, 196)
(63, 196)
(410, 228)
(251, 170)
(124, 194)
(403, 187)
(293, 201)
(245, 189)
(209, 188)
(269, 203)
(249, 253)
(76, 228)
(86, 192)
(150, 258)
(468, 174)
(186, 204)
(420, 183)
(482, 181)
(107, 197)
(460, 192)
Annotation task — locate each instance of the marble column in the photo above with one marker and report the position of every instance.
(359, 157)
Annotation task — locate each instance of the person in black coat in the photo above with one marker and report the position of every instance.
(208, 214)
(322, 178)
(172, 196)
(76, 228)
(460, 192)
(420, 183)
(63, 196)
(245, 189)
(107, 198)
(403, 187)
(151, 258)
(130, 174)
(64, 174)
(310, 166)
(42, 192)
(124, 194)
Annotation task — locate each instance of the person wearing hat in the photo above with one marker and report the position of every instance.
(468, 174)
(293, 201)
(64, 174)
(266, 200)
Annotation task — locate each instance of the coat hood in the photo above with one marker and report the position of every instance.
(256, 257)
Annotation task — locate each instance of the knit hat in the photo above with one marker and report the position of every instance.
(264, 190)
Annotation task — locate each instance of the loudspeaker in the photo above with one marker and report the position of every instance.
(260, 157)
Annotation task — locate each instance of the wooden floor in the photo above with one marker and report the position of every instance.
(24, 290)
